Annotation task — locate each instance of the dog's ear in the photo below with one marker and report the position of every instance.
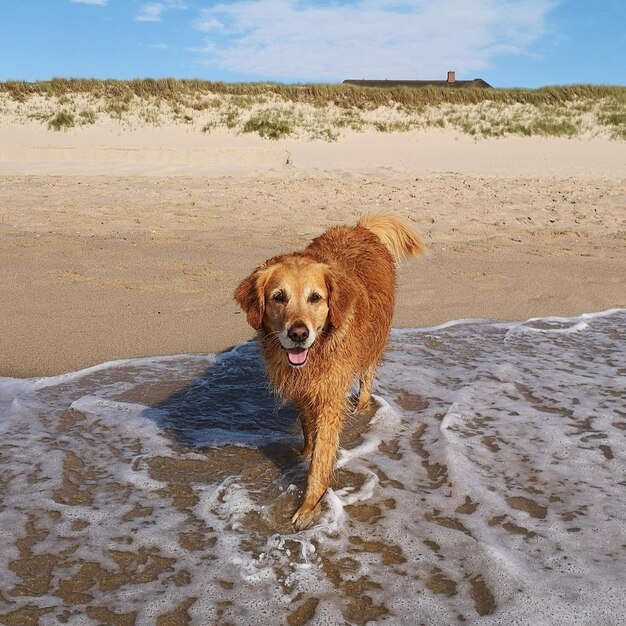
(341, 296)
(250, 295)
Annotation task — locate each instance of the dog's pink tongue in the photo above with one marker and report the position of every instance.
(297, 356)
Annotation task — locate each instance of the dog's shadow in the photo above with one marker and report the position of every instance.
(240, 431)
(229, 403)
(234, 427)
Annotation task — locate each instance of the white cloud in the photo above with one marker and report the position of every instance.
(207, 23)
(101, 3)
(153, 11)
(417, 39)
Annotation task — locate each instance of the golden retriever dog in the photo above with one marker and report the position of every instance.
(323, 317)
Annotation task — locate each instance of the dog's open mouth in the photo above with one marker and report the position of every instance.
(297, 356)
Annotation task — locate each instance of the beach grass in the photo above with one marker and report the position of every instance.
(62, 120)
(320, 111)
(315, 93)
(270, 123)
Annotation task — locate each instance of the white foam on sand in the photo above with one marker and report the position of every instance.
(489, 486)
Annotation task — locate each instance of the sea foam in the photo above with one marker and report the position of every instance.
(487, 487)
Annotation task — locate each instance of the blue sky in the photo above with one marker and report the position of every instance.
(526, 43)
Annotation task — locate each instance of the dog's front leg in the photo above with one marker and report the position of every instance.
(326, 442)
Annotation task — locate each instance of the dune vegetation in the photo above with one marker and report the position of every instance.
(316, 111)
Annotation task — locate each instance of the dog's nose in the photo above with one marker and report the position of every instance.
(298, 333)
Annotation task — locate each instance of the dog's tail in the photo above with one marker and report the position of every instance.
(396, 233)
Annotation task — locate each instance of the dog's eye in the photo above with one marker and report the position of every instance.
(278, 297)
(315, 297)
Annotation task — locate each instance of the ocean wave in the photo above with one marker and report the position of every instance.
(487, 487)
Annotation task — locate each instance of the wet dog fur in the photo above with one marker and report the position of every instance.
(323, 317)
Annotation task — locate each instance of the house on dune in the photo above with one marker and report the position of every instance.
(476, 83)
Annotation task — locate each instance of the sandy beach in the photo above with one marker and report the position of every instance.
(484, 487)
(120, 243)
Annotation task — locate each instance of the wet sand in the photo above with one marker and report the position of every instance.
(484, 487)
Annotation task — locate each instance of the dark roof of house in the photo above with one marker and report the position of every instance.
(477, 83)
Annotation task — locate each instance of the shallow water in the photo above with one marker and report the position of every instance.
(487, 487)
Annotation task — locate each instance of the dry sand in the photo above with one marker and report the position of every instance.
(117, 243)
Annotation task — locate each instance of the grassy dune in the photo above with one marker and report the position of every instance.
(317, 111)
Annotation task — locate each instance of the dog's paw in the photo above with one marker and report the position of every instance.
(304, 517)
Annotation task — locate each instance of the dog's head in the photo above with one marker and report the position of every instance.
(296, 300)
